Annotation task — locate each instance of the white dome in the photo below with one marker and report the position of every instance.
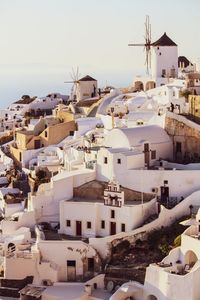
(132, 137)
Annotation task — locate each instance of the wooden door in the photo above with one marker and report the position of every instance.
(78, 228)
(112, 228)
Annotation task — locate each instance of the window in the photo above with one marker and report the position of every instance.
(123, 227)
(119, 160)
(89, 225)
(178, 147)
(112, 214)
(45, 134)
(153, 154)
(105, 160)
(20, 156)
(71, 133)
(140, 122)
(68, 223)
(102, 224)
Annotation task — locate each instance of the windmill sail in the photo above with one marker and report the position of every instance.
(147, 44)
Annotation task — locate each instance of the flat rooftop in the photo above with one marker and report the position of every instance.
(52, 235)
(73, 291)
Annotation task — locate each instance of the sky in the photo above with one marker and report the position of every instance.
(42, 40)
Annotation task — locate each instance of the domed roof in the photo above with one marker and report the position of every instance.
(132, 137)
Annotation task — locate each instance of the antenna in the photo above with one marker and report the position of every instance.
(147, 44)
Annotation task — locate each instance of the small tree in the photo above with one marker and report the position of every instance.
(185, 93)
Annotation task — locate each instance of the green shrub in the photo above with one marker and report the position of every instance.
(122, 246)
(154, 237)
(177, 241)
(164, 248)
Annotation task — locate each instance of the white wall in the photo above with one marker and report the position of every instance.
(65, 250)
(85, 89)
(5, 161)
(27, 219)
(86, 124)
(180, 182)
(19, 268)
(48, 103)
(130, 215)
(45, 202)
(167, 60)
(10, 209)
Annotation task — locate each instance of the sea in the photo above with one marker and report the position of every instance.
(15, 84)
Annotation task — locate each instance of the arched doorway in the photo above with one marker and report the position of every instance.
(152, 297)
(190, 258)
(11, 247)
(150, 85)
(139, 86)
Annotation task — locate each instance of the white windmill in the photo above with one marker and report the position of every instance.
(75, 75)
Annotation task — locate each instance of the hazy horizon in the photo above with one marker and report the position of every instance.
(42, 40)
(13, 85)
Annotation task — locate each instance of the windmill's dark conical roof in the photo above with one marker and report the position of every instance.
(87, 78)
(164, 41)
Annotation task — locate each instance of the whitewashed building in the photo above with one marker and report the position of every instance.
(50, 261)
(100, 218)
(132, 148)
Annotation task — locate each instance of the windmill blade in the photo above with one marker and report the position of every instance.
(150, 58)
(77, 73)
(136, 44)
(146, 30)
(68, 81)
(73, 74)
(147, 44)
(150, 34)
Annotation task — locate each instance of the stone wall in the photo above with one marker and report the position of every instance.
(186, 138)
(95, 189)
